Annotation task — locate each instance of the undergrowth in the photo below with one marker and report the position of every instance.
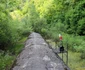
(74, 60)
(6, 61)
(76, 49)
(8, 57)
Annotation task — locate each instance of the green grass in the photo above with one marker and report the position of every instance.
(8, 58)
(18, 47)
(74, 61)
(74, 58)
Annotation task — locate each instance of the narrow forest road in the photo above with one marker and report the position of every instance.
(38, 56)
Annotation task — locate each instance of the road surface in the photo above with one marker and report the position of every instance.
(38, 56)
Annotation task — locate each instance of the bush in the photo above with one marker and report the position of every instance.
(5, 61)
(5, 33)
(75, 43)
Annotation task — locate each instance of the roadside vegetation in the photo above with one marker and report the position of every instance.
(47, 17)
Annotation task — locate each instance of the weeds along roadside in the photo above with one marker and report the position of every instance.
(7, 58)
(76, 49)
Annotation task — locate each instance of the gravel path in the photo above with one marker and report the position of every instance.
(38, 56)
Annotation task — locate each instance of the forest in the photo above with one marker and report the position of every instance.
(18, 18)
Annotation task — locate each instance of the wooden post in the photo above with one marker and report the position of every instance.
(67, 55)
(62, 55)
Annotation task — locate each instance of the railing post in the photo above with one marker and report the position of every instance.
(67, 55)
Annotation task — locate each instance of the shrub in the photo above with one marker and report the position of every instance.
(5, 61)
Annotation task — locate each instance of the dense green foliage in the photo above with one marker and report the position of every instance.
(6, 61)
(48, 17)
(21, 17)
